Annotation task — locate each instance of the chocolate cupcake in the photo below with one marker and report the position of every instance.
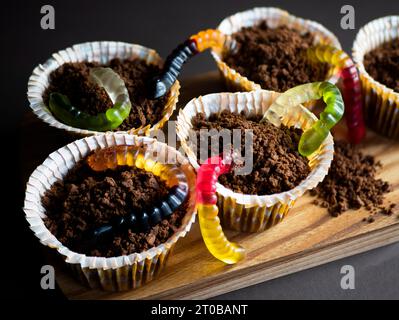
(280, 175)
(96, 202)
(266, 48)
(376, 53)
(68, 73)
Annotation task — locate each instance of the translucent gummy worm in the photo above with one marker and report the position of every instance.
(312, 138)
(197, 43)
(124, 155)
(351, 87)
(62, 108)
(211, 231)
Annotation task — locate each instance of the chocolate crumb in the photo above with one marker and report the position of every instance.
(351, 183)
(72, 80)
(370, 219)
(387, 211)
(277, 164)
(275, 58)
(85, 199)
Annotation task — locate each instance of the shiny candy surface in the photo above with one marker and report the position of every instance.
(144, 222)
(174, 62)
(313, 137)
(215, 240)
(210, 38)
(155, 216)
(62, 108)
(131, 221)
(351, 87)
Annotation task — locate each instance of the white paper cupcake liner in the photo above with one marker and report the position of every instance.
(101, 52)
(116, 273)
(253, 213)
(381, 104)
(275, 17)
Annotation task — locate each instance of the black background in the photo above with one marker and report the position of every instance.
(159, 25)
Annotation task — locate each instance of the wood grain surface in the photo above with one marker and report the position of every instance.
(306, 238)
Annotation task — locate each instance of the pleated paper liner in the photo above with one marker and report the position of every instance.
(116, 273)
(101, 52)
(244, 212)
(381, 104)
(275, 17)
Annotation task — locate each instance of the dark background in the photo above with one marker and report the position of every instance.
(159, 25)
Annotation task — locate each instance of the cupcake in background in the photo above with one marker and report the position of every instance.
(68, 73)
(267, 49)
(376, 52)
(271, 49)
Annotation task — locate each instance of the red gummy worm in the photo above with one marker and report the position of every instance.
(352, 95)
(207, 177)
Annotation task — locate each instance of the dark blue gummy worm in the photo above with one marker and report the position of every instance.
(144, 222)
(155, 216)
(166, 209)
(172, 67)
(174, 200)
(131, 221)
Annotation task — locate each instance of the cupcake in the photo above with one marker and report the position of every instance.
(262, 198)
(266, 48)
(376, 53)
(68, 73)
(114, 225)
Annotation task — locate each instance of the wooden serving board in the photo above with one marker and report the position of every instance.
(306, 238)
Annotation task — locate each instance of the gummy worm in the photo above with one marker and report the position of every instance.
(62, 108)
(312, 138)
(214, 38)
(211, 231)
(124, 155)
(195, 44)
(351, 87)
